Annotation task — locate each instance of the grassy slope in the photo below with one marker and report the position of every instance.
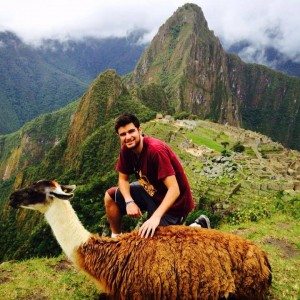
(54, 278)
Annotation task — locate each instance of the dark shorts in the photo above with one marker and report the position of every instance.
(144, 202)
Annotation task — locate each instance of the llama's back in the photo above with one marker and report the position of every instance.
(178, 262)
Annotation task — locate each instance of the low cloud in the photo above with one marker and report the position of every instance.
(262, 23)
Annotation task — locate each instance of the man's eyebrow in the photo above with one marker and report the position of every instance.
(129, 131)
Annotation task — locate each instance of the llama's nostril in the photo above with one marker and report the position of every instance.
(13, 201)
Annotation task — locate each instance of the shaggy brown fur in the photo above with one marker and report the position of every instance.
(179, 262)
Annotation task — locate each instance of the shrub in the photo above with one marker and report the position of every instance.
(238, 147)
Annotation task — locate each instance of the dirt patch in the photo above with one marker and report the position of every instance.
(288, 250)
(62, 265)
(5, 276)
(284, 225)
(36, 295)
(243, 231)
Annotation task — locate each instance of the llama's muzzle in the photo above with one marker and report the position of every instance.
(15, 199)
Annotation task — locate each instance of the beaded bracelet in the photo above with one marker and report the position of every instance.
(128, 202)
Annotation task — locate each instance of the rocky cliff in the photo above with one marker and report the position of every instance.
(189, 63)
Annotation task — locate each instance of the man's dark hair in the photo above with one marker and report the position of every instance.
(126, 119)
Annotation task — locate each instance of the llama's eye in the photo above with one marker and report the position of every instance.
(52, 184)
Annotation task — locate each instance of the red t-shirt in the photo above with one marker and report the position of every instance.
(156, 162)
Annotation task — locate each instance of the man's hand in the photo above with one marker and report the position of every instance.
(148, 228)
(133, 210)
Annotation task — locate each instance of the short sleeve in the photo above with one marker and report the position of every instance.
(125, 162)
(164, 164)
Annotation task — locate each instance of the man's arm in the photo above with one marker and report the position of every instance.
(132, 209)
(148, 228)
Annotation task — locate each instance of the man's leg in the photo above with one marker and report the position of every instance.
(116, 208)
(113, 214)
(202, 221)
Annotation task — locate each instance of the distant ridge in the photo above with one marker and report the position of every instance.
(40, 79)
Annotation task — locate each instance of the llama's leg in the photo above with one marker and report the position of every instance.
(113, 213)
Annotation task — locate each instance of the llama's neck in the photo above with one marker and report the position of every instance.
(66, 226)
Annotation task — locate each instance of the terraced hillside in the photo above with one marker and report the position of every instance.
(232, 172)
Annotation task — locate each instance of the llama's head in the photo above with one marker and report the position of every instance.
(40, 194)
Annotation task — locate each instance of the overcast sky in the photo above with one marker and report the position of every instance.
(263, 22)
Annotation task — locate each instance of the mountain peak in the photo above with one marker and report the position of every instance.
(94, 108)
(190, 13)
(188, 62)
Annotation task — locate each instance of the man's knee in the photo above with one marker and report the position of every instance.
(108, 200)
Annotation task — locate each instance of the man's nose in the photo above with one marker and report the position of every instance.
(128, 135)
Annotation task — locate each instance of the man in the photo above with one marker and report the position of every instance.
(162, 188)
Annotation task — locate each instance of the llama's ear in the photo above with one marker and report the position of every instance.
(62, 196)
(63, 192)
(68, 188)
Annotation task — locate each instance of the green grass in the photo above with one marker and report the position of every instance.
(56, 279)
(201, 140)
(43, 278)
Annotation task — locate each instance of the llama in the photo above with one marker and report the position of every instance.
(179, 262)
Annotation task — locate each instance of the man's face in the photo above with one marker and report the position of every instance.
(130, 136)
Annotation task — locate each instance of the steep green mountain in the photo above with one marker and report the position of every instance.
(35, 80)
(90, 138)
(187, 63)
